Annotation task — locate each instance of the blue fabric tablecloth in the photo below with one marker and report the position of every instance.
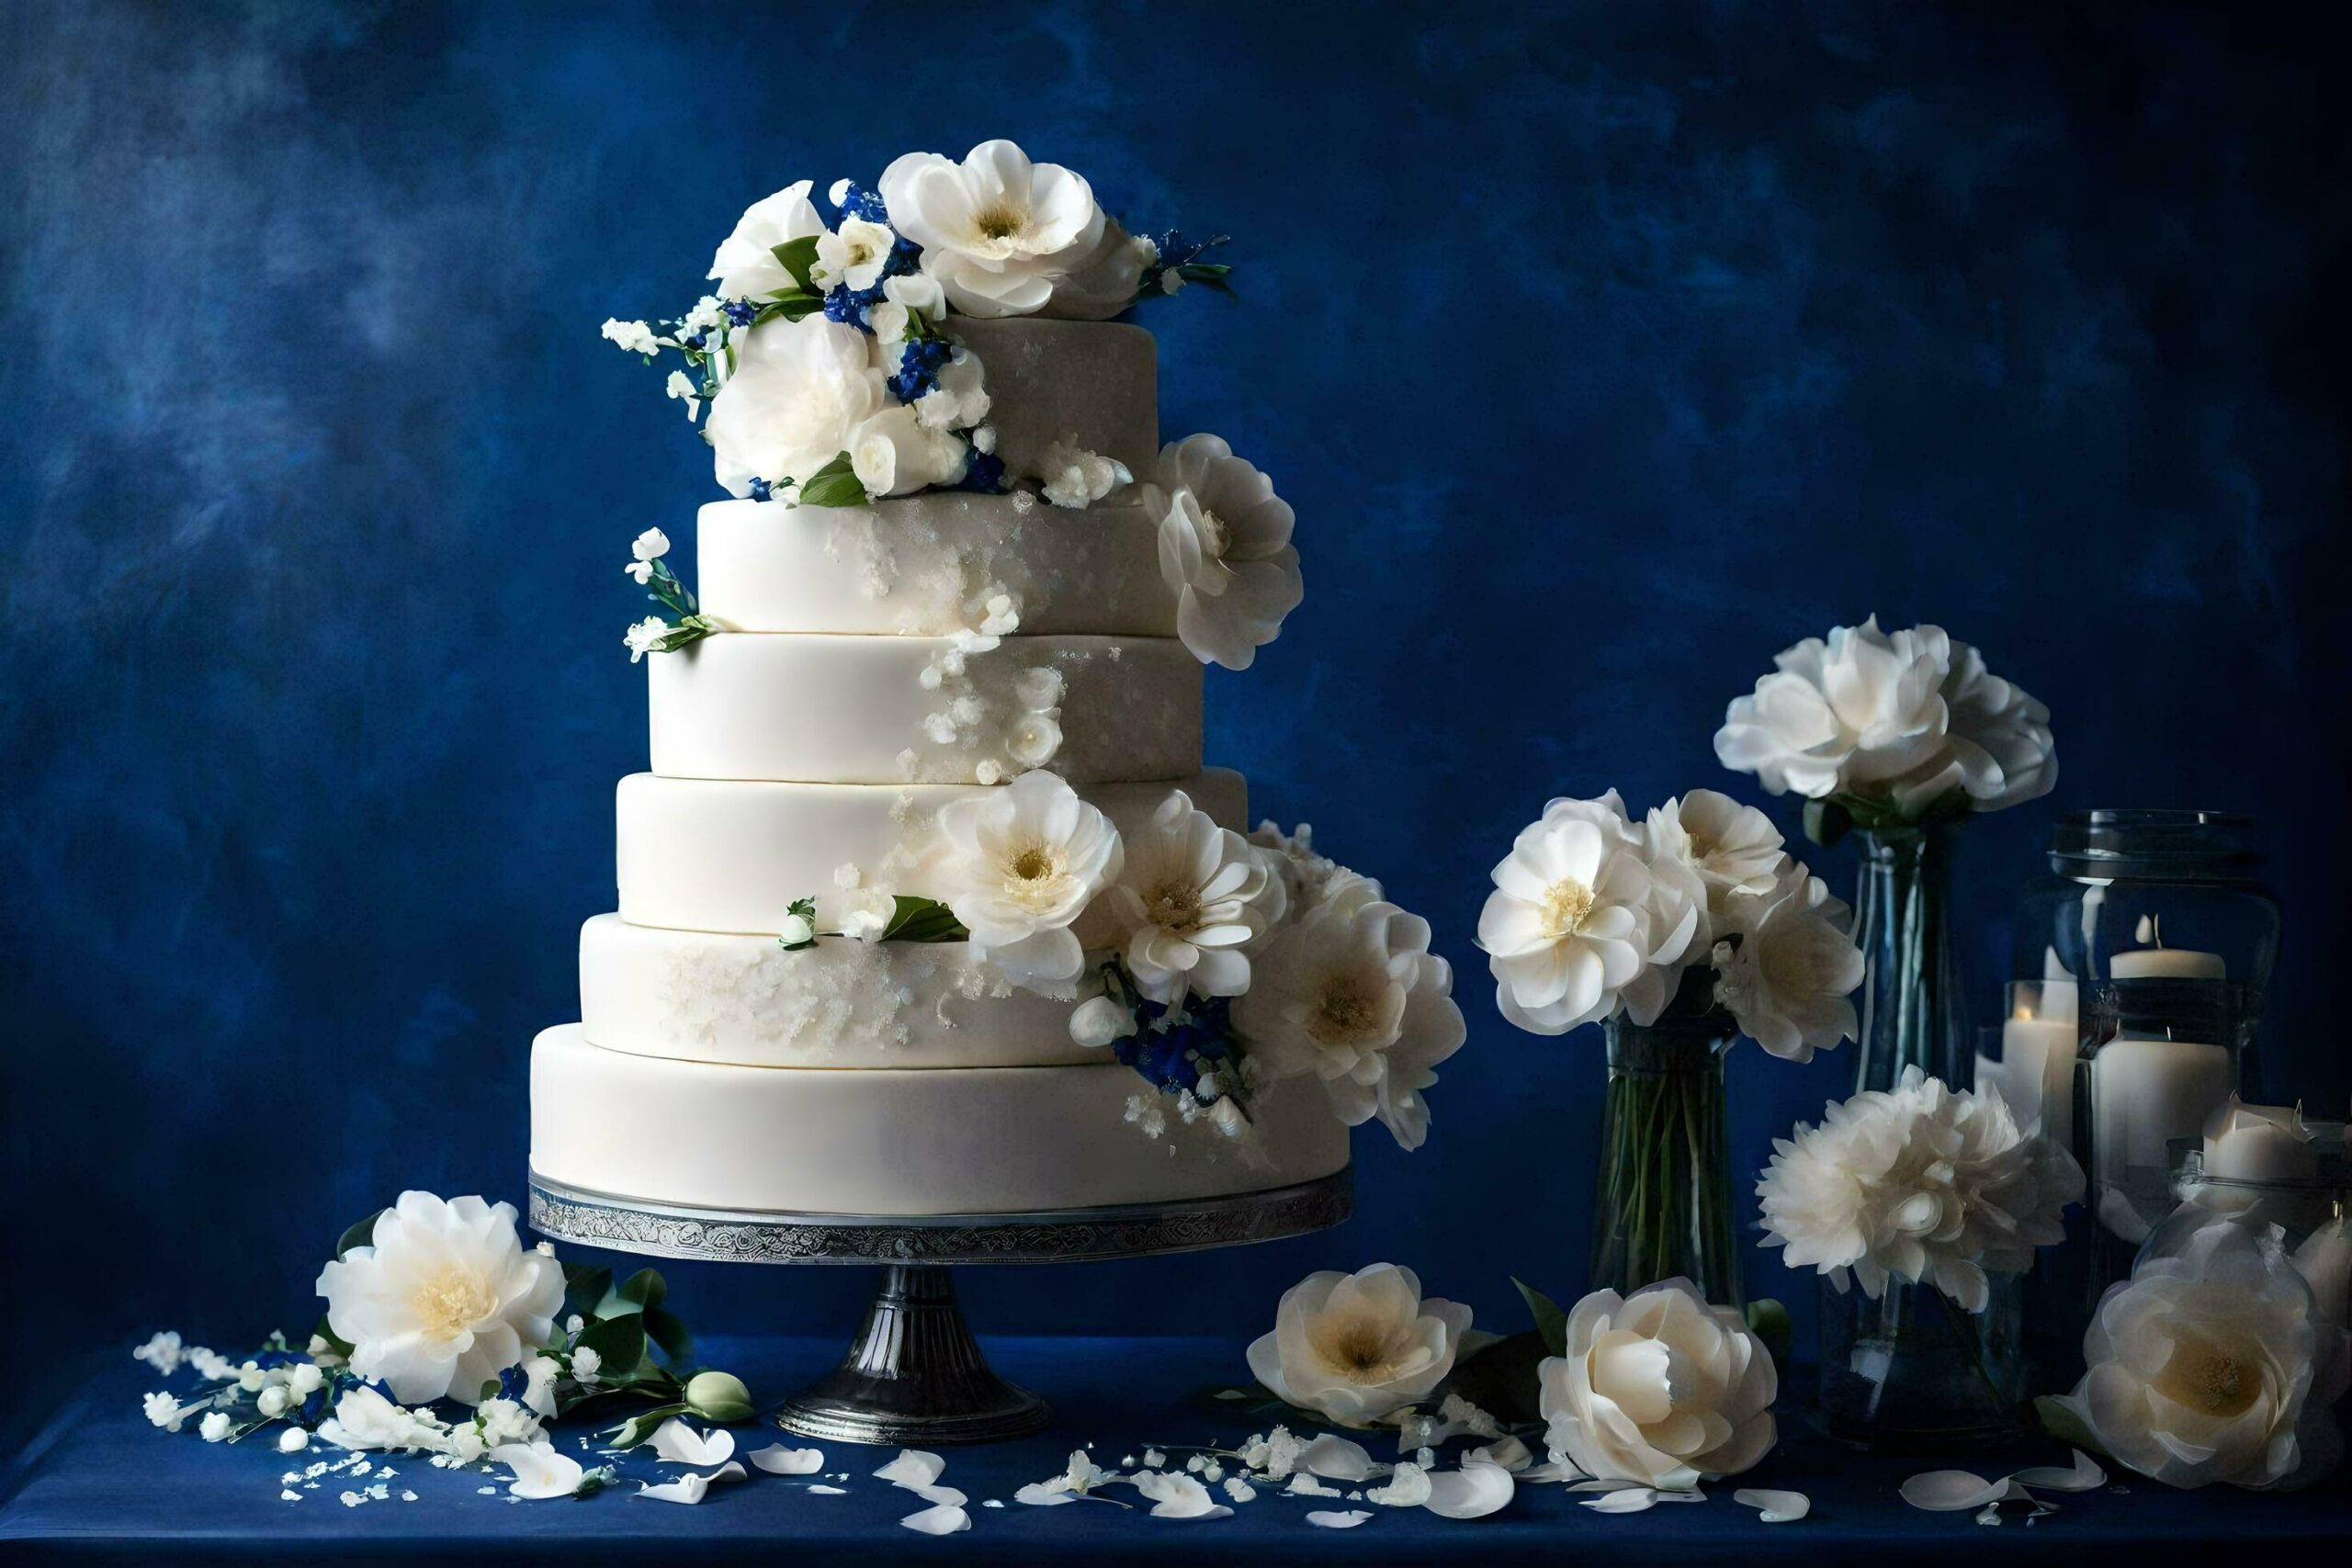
(95, 1481)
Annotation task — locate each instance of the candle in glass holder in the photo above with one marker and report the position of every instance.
(2144, 1093)
(2259, 1142)
(2168, 964)
(2038, 1042)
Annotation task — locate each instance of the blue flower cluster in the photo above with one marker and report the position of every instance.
(762, 490)
(1174, 1049)
(984, 472)
(859, 202)
(738, 311)
(919, 365)
(847, 305)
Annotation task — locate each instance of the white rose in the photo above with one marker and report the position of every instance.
(1020, 864)
(914, 291)
(894, 452)
(1574, 921)
(800, 392)
(745, 266)
(888, 323)
(1224, 550)
(997, 231)
(1658, 1388)
(1355, 1347)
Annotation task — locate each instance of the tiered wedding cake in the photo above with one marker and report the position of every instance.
(927, 904)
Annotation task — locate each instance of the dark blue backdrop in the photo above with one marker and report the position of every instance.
(1602, 350)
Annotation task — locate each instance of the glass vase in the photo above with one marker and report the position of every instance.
(1912, 1373)
(1912, 1006)
(1663, 1208)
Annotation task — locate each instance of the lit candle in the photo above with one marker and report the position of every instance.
(2144, 1093)
(2039, 1041)
(2259, 1142)
(2168, 964)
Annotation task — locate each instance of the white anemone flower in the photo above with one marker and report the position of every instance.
(1192, 896)
(1224, 548)
(800, 392)
(1352, 995)
(1734, 849)
(1658, 1388)
(1921, 1183)
(1355, 1347)
(1785, 967)
(1574, 922)
(745, 266)
(1021, 863)
(2211, 1364)
(997, 231)
(444, 1298)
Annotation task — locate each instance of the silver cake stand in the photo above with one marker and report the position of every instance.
(914, 1375)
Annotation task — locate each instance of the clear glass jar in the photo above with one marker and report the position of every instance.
(1663, 1205)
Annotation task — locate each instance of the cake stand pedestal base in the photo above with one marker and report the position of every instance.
(914, 1376)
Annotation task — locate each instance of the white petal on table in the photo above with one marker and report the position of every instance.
(1627, 1500)
(1334, 1458)
(1179, 1497)
(2083, 1476)
(944, 1519)
(540, 1471)
(1347, 1520)
(1949, 1491)
(781, 1461)
(674, 1442)
(1550, 1471)
(1510, 1453)
(913, 1468)
(829, 1491)
(938, 1496)
(1472, 1492)
(1609, 1486)
(1037, 1495)
(690, 1488)
(1778, 1507)
(1679, 1494)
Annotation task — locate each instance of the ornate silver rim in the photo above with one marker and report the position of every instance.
(666, 1230)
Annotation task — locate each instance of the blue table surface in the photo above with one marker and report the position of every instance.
(96, 1481)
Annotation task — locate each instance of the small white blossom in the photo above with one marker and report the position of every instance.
(685, 387)
(645, 638)
(214, 1427)
(1074, 478)
(163, 1411)
(634, 337)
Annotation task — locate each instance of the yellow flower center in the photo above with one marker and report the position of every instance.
(1217, 536)
(451, 1302)
(2208, 1376)
(1566, 904)
(1174, 906)
(1360, 1348)
(1000, 222)
(1032, 864)
(1345, 1010)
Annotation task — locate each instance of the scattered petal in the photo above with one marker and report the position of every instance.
(686, 1489)
(1477, 1489)
(2085, 1475)
(1627, 1500)
(781, 1461)
(539, 1471)
(913, 1468)
(947, 1519)
(1608, 1487)
(1410, 1488)
(829, 1491)
(674, 1442)
(1681, 1494)
(1947, 1491)
(1304, 1485)
(1324, 1518)
(1336, 1458)
(938, 1496)
(1550, 1471)
(1175, 1496)
(1037, 1495)
(1778, 1507)
(1510, 1453)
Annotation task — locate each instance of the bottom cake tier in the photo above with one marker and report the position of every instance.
(916, 1142)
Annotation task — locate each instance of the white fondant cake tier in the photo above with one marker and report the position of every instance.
(730, 855)
(950, 1141)
(891, 710)
(1092, 384)
(711, 996)
(924, 565)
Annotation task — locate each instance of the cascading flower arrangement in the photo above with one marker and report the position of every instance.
(1677, 932)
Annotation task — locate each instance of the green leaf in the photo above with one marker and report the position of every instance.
(1825, 822)
(1769, 1320)
(640, 1427)
(796, 257)
(587, 1284)
(1501, 1377)
(646, 1288)
(835, 484)
(2060, 1421)
(489, 1391)
(664, 1328)
(923, 920)
(619, 1344)
(361, 1235)
(1551, 1323)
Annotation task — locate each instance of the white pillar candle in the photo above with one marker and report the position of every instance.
(2143, 1094)
(2325, 1260)
(2168, 964)
(2039, 1040)
(2259, 1142)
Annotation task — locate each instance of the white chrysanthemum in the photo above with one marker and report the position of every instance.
(1575, 921)
(895, 452)
(1785, 967)
(745, 266)
(800, 392)
(1224, 548)
(1907, 715)
(1355, 1347)
(2211, 1364)
(1192, 896)
(1920, 1183)
(1658, 1388)
(853, 256)
(1021, 863)
(1732, 849)
(997, 231)
(444, 1298)
(1352, 995)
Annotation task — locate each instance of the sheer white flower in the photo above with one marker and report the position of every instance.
(1022, 863)
(2211, 1364)
(745, 266)
(1224, 550)
(1103, 284)
(1190, 898)
(444, 1298)
(1658, 1388)
(1785, 968)
(1352, 995)
(1908, 716)
(1355, 1348)
(997, 231)
(1732, 849)
(800, 392)
(1920, 1183)
(1075, 477)
(894, 452)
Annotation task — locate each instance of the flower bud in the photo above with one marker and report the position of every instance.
(1099, 1020)
(795, 931)
(273, 1400)
(718, 1397)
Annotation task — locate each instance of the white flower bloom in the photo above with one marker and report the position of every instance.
(745, 266)
(1022, 863)
(273, 1401)
(1224, 550)
(444, 1300)
(214, 1427)
(887, 322)
(1033, 738)
(854, 255)
(540, 1471)
(895, 452)
(293, 1440)
(960, 401)
(685, 387)
(1073, 477)
(538, 1385)
(1907, 715)
(2211, 1365)
(1105, 284)
(645, 636)
(800, 392)
(1658, 1388)
(160, 1352)
(586, 1366)
(163, 1411)
(1352, 995)
(1919, 1183)
(635, 337)
(364, 1419)
(648, 547)
(705, 315)
(1190, 896)
(1305, 874)
(1575, 920)
(1178, 1496)
(1785, 967)
(795, 931)
(1734, 849)
(917, 292)
(2325, 1260)
(1355, 1347)
(997, 231)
